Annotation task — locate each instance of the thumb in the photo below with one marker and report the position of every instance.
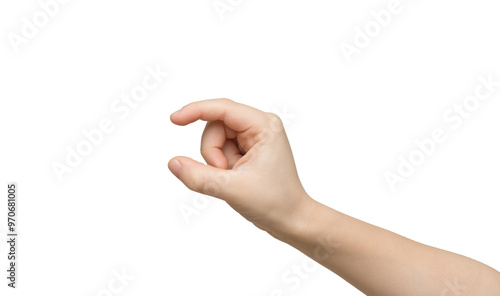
(200, 177)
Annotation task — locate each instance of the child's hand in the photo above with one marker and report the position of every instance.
(250, 166)
(250, 163)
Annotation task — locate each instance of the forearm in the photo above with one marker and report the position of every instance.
(379, 262)
(250, 166)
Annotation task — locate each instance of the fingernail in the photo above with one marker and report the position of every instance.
(176, 112)
(175, 167)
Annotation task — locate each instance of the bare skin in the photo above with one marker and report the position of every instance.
(250, 166)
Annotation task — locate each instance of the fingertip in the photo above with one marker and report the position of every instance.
(220, 162)
(175, 166)
(174, 116)
(214, 157)
(184, 116)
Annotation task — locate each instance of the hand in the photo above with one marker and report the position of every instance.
(249, 163)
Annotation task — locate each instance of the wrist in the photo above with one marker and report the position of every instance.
(298, 222)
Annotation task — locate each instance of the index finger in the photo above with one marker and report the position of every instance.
(236, 116)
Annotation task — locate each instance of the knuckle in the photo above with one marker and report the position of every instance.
(276, 123)
(195, 185)
(273, 116)
(226, 100)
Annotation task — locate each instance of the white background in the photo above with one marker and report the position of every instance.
(347, 124)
